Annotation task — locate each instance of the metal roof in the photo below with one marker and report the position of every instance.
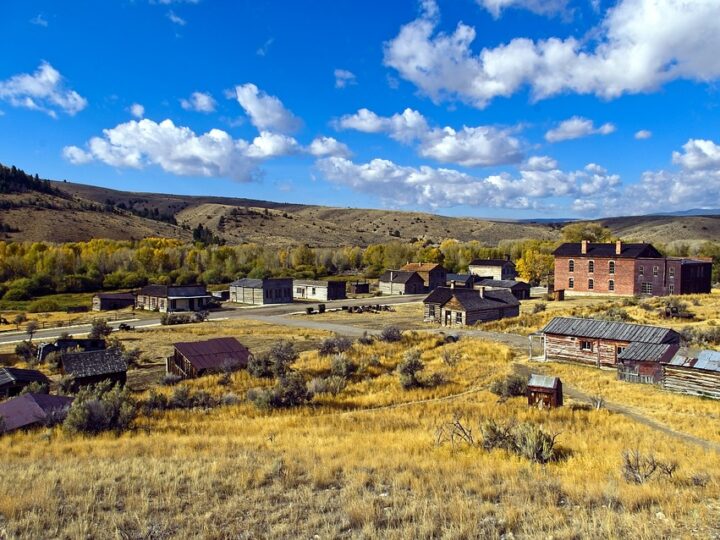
(504, 283)
(30, 409)
(10, 375)
(214, 353)
(616, 331)
(92, 363)
(177, 291)
(606, 250)
(706, 359)
(490, 262)
(421, 267)
(316, 283)
(543, 381)
(399, 276)
(252, 283)
(646, 352)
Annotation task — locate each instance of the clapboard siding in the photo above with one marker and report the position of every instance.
(692, 381)
(568, 349)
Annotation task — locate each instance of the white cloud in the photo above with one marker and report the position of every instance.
(699, 155)
(76, 155)
(175, 19)
(269, 145)
(266, 112)
(440, 187)
(39, 20)
(43, 90)
(639, 46)
(344, 78)
(137, 110)
(643, 134)
(469, 146)
(575, 128)
(328, 147)
(200, 102)
(262, 51)
(541, 7)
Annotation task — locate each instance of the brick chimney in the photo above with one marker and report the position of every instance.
(583, 247)
(618, 247)
(452, 284)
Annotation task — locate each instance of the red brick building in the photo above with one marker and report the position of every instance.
(628, 269)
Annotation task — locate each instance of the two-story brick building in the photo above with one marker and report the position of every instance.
(628, 269)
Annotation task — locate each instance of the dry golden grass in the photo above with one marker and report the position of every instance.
(342, 467)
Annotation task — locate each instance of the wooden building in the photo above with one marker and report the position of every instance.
(358, 287)
(69, 344)
(14, 380)
(401, 282)
(433, 275)
(493, 268)
(194, 359)
(519, 289)
(112, 301)
(693, 372)
(627, 269)
(643, 362)
(451, 306)
(544, 391)
(307, 289)
(92, 367)
(262, 291)
(172, 298)
(30, 410)
(461, 280)
(595, 342)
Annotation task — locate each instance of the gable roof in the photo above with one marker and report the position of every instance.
(504, 284)
(606, 250)
(706, 360)
(490, 262)
(399, 276)
(646, 352)
(213, 353)
(465, 278)
(93, 363)
(543, 381)
(10, 375)
(421, 267)
(317, 283)
(470, 299)
(618, 331)
(176, 291)
(30, 409)
(116, 296)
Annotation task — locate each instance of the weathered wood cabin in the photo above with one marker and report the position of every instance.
(519, 289)
(493, 268)
(69, 344)
(30, 410)
(171, 298)
(693, 372)
(358, 287)
(451, 306)
(14, 380)
(307, 289)
(195, 359)
(92, 367)
(461, 280)
(544, 391)
(433, 275)
(262, 291)
(643, 362)
(400, 282)
(112, 301)
(595, 342)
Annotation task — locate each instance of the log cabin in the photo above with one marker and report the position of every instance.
(693, 372)
(451, 306)
(643, 362)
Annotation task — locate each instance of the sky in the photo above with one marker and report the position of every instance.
(513, 109)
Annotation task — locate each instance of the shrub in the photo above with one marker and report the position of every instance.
(16, 294)
(289, 391)
(510, 386)
(329, 385)
(614, 313)
(342, 366)
(365, 339)
(408, 370)
(100, 408)
(35, 387)
(170, 379)
(539, 307)
(391, 334)
(154, 402)
(229, 399)
(260, 366)
(169, 319)
(334, 345)
(100, 329)
(282, 355)
(526, 440)
(26, 350)
(43, 305)
(450, 358)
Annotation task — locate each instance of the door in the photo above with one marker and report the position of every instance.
(448, 318)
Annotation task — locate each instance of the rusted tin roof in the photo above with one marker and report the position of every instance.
(707, 360)
(30, 409)
(214, 353)
(616, 331)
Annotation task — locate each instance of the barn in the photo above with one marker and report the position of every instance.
(31, 410)
(92, 367)
(544, 391)
(642, 362)
(400, 282)
(194, 359)
(13, 380)
(596, 342)
(451, 306)
(307, 289)
(112, 301)
(261, 291)
(519, 289)
(693, 372)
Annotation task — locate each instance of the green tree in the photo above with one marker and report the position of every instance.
(590, 231)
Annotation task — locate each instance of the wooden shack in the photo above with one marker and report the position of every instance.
(262, 291)
(544, 391)
(519, 289)
(693, 372)
(401, 282)
(69, 344)
(112, 301)
(194, 359)
(171, 298)
(359, 287)
(433, 275)
(14, 380)
(30, 410)
(92, 367)
(451, 306)
(322, 291)
(643, 362)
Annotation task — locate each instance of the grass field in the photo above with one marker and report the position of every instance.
(363, 463)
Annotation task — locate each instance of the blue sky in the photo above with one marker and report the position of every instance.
(487, 108)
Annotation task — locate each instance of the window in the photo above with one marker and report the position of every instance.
(298, 290)
(619, 350)
(655, 270)
(591, 284)
(431, 311)
(586, 345)
(641, 270)
(671, 272)
(611, 267)
(611, 285)
(458, 317)
(591, 266)
(646, 288)
(571, 265)
(313, 291)
(671, 288)
(571, 283)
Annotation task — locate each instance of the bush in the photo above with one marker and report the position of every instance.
(100, 408)
(36, 387)
(260, 366)
(100, 329)
(408, 370)
(26, 350)
(169, 319)
(170, 379)
(329, 385)
(539, 307)
(335, 345)
(614, 314)
(289, 391)
(526, 440)
(391, 334)
(15, 294)
(342, 366)
(229, 399)
(510, 386)
(43, 305)
(365, 339)
(282, 355)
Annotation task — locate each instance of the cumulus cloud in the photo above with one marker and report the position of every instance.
(639, 46)
(643, 134)
(698, 155)
(199, 101)
(576, 128)
(266, 112)
(175, 19)
(327, 147)
(441, 187)
(43, 90)
(541, 7)
(468, 146)
(269, 145)
(344, 78)
(137, 110)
